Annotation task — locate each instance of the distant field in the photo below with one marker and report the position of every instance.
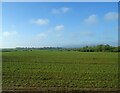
(60, 70)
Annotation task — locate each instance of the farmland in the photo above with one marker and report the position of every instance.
(45, 70)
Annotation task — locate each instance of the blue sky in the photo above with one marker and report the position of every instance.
(59, 24)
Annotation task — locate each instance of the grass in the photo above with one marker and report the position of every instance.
(39, 70)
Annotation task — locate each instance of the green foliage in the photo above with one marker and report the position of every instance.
(99, 48)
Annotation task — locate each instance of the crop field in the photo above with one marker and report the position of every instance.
(46, 70)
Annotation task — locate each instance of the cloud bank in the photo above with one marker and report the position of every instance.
(60, 10)
(40, 21)
(111, 16)
(7, 33)
(59, 27)
(92, 19)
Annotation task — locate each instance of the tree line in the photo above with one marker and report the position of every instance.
(97, 48)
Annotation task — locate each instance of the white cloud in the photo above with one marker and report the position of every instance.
(111, 16)
(60, 10)
(41, 36)
(40, 21)
(92, 19)
(56, 11)
(59, 27)
(7, 34)
(65, 9)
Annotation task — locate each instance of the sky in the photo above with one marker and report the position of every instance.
(60, 0)
(59, 24)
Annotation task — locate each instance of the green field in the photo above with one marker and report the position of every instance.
(60, 70)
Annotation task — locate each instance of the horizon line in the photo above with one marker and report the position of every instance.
(55, 46)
